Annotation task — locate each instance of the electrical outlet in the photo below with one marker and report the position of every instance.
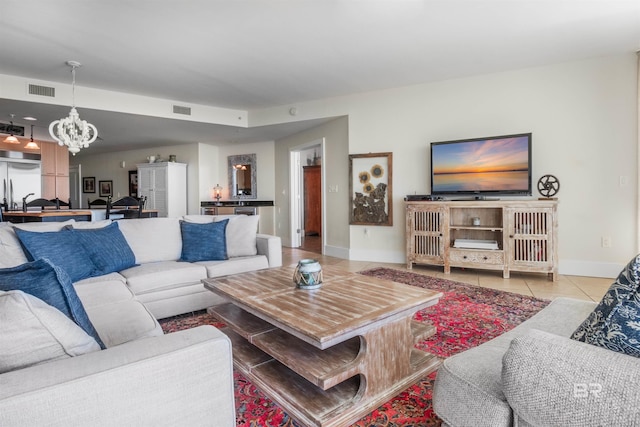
(606, 241)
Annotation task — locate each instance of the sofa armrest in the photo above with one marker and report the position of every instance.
(554, 380)
(183, 378)
(271, 247)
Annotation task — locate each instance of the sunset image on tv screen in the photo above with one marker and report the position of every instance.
(500, 164)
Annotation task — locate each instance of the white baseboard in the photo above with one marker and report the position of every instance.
(377, 256)
(335, 251)
(574, 267)
(567, 267)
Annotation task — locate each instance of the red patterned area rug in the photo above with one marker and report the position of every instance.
(465, 317)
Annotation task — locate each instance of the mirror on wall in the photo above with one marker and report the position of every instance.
(243, 181)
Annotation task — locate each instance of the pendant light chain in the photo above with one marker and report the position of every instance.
(73, 85)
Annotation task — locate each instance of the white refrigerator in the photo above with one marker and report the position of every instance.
(20, 178)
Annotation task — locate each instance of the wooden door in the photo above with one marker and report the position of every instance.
(312, 200)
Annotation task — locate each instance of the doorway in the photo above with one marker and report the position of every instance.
(307, 197)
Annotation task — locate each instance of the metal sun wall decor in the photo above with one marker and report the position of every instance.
(370, 189)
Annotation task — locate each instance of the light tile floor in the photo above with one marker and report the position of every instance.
(537, 285)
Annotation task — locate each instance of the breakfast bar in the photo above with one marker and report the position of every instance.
(60, 215)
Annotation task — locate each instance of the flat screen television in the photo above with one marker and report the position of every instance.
(482, 167)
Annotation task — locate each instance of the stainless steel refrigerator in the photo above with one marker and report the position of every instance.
(19, 178)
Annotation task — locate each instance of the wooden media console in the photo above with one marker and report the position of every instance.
(525, 233)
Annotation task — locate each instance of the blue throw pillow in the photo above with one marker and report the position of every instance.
(107, 248)
(62, 248)
(52, 285)
(615, 322)
(204, 242)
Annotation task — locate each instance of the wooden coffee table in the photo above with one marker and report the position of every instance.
(326, 356)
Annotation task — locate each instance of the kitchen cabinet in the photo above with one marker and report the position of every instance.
(55, 171)
(165, 187)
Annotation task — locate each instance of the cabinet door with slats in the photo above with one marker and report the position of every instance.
(426, 234)
(531, 244)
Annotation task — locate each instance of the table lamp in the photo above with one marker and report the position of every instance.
(217, 189)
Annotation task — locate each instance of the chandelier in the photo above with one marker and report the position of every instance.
(71, 131)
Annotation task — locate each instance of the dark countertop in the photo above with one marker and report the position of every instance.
(234, 203)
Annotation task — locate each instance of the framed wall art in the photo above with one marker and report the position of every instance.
(370, 189)
(133, 183)
(106, 188)
(89, 184)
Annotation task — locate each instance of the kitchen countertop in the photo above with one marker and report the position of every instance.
(233, 203)
(51, 215)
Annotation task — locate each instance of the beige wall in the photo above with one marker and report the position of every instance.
(264, 152)
(108, 167)
(583, 116)
(335, 164)
(207, 166)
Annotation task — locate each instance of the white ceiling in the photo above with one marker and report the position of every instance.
(252, 54)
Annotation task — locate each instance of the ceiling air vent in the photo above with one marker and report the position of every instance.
(8, 129)
(42, 90)
(177, 109)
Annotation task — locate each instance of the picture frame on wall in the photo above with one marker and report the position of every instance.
(133, 183)
(370, 189)
(106, 188)
(89, 184)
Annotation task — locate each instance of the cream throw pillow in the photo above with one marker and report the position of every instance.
(241, 235)
(34, 332)
(11, 253)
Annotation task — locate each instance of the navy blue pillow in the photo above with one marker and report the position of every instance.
(62, 248)
(52, 285)
(107, 248)
(615, 322)
(204, 242)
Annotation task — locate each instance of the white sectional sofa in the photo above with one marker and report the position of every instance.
(142, 377)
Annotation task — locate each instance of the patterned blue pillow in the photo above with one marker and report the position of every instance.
(107, 248)
(204, 242)
(62, 248)
(615, 322)
(52, 285)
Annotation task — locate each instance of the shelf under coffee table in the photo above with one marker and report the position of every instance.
(331, 355)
